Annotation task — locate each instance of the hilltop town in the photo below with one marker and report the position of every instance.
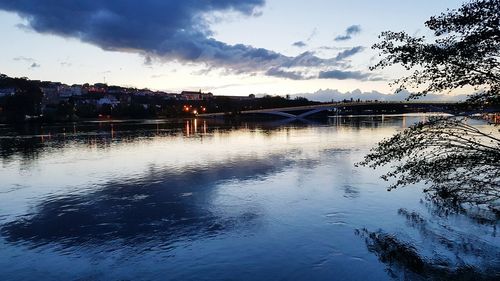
(23, 99)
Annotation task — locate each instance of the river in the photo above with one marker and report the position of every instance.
(208, 200)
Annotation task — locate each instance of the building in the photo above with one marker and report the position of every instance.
(67, 91)
(50, 95)
(195, 96)
(109, 100)
(145, 93)
(170, 96)
(98, 88)
(7, 92)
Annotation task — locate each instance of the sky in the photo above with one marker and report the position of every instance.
(228, 47)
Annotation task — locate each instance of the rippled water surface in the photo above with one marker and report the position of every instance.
(204, 200)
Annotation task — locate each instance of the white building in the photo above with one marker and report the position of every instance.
(195, 96)
(108, 99)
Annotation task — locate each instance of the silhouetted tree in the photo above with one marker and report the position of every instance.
(25, 102)
(465, 52)
(459, 161)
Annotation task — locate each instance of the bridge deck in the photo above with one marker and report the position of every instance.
(325, 105)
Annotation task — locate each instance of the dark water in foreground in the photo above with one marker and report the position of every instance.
(197, 200)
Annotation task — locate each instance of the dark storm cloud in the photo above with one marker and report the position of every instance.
(349, 32)
(163, 27)
(161, 30)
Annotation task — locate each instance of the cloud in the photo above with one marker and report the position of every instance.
(164, 30)
(24, 59)
(327, 95)
(349, 32)
(170, 29)
(353, 29)
(155, 76)
(148, 60)
(330, 48)
(313, 34)
(299, 44)
(309, 59)
(30, 61)
(302, 44)
(344, 75)
(294, 75)
(349, 53)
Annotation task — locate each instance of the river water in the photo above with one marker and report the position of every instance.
(208, 200)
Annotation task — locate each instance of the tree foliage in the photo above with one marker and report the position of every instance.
(464, 51)
(458, 161)
(26, 100)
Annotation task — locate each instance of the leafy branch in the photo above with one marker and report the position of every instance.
(460, 162)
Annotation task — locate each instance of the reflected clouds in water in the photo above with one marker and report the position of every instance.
(162, 206)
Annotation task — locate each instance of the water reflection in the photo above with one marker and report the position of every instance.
(207, 199)
(162, 206)
(439, 248)
(28, 141)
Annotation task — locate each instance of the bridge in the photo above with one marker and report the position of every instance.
(302, 112)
